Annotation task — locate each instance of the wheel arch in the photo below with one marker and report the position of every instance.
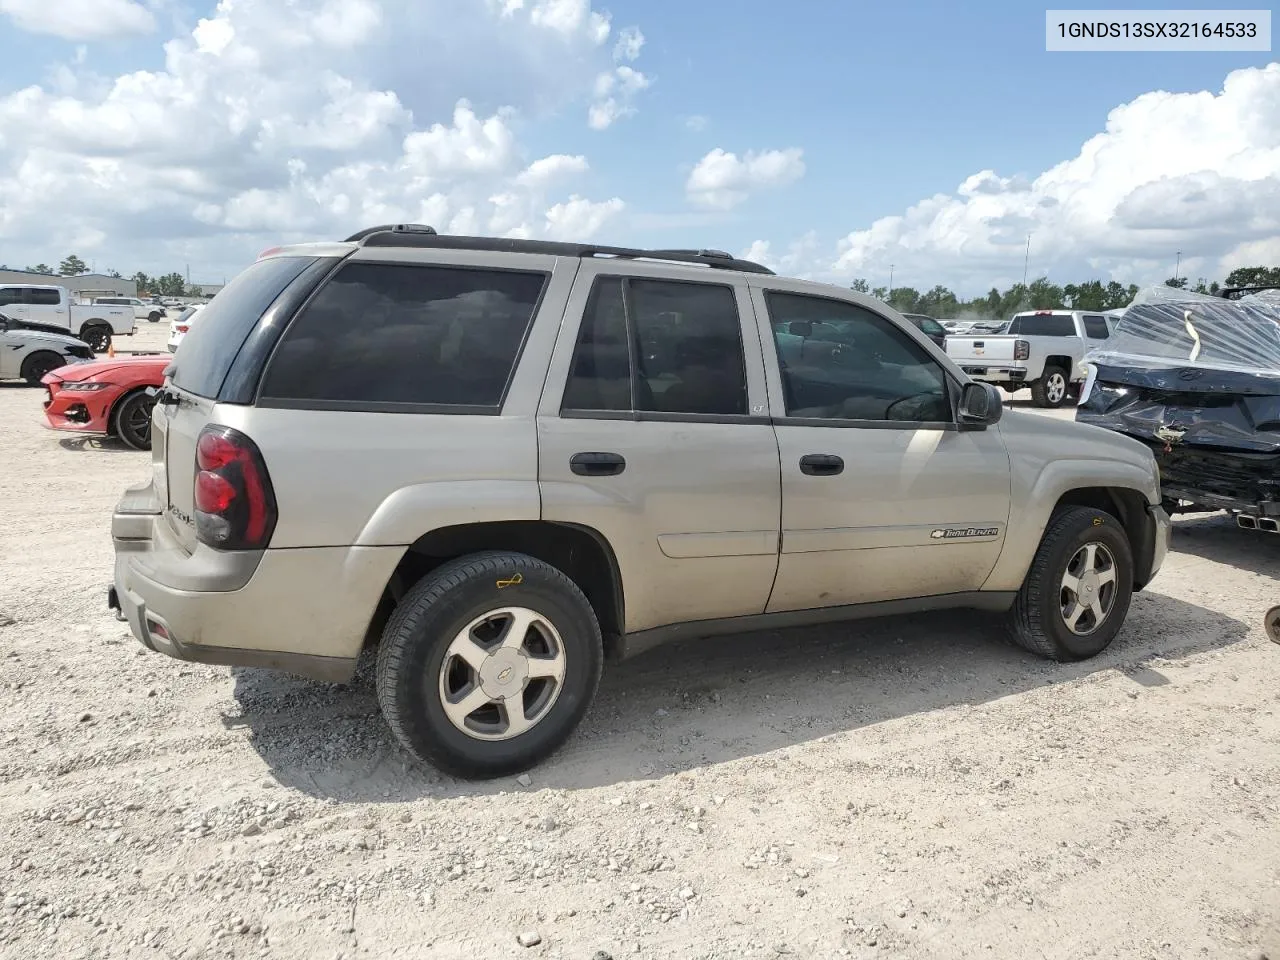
(580, 552)
(25, 365)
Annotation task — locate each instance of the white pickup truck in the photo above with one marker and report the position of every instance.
(1041, 349)
(95, 324)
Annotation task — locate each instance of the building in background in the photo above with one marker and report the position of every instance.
(208, 289)
(85, 286)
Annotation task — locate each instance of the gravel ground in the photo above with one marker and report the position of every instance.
(911, 788)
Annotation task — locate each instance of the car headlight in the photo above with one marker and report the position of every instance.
(85, 386)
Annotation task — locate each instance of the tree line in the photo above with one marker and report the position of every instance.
(168, 285)
(1041, 294)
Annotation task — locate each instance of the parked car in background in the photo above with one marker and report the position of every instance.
(109, 396)
(1041, 349)
(28, 351)
(142, 309)
(1197, 379)
(95, 324)
(179, 326)
(929, 327)
(171, 302)
(504, 459)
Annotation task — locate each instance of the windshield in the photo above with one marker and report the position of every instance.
(931, 326)
(185, 314)
(1170, 327)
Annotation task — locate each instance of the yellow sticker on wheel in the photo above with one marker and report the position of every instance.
(1097, 521)
(513, 581)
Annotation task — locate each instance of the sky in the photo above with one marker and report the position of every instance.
(828, 140)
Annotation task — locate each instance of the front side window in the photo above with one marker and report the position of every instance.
(406, 334)
(840, 361)
(10, 296)
(685, 346)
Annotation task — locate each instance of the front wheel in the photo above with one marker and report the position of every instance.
(154, 316)
(488, 664)
(98, 338)
(1051, 389)
(1077, 592)
(132, 420)
(38, 365)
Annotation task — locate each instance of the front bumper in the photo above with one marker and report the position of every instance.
(303, 611)
(1163, 535)
(78, 411)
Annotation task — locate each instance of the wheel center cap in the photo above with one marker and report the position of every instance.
(1089, 585)
(504, 674)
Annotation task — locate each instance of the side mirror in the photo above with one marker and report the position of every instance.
(801, 328)
(981, 406)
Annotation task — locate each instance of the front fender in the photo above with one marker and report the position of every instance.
(1033, 504)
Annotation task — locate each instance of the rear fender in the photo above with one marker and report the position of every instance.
(412, 511)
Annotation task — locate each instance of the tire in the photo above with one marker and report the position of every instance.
(417, 672)
(131, 419)
(97, 337)
(1039, 619)
(154, 316)
(1051, 389)
(38, 364)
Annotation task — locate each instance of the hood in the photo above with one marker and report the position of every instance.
(59, 341)
(105, 365)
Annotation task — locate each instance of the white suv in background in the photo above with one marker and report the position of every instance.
(141, 309)
(178, 327)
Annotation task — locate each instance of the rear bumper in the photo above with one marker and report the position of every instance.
(994, 374)
(303, 611)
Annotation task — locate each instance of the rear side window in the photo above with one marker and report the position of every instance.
(685, 346)
(1044, 325)
(1096, 328)
(389, 335)
(43, 298)
(10, 296)
(210, 348)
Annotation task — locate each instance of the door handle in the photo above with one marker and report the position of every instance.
(597, 464)
(821, 465)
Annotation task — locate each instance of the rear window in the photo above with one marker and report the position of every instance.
(1096, 328)
(1044, 325)
(210, 348)
(395, 336)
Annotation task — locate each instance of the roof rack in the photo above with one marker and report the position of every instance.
(1234, 293)
(419, 235)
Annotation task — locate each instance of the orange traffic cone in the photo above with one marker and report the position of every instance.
(111, 349)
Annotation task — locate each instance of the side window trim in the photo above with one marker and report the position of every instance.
(778, 415)
(595, 279)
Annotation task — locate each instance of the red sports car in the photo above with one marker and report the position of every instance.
(110, 396)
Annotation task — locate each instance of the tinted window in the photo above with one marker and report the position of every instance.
(932, 327)
(43, 298)
(1044, 325)
(686, 348)
(1096, 328)
(404, 334)
(10, 296)
(839, 361)
(211, 346)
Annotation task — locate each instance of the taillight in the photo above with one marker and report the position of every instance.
(1021, 349)
(235, 505)
(182, 328)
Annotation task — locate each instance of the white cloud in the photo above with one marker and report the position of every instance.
(80, 19)
(696, 123)
(240, 140)
(614, 92)
(1192, 172)
(722, 180)
(630, 41)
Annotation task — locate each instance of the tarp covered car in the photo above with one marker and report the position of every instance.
(1197, 378)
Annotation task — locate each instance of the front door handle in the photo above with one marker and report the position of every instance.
(597, 464)
(821, 465)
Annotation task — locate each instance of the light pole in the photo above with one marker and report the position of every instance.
(1026, 261)
(891, 279)
(1177, 266)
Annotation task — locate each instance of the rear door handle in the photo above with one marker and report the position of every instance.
(821, 465)
(597, 464)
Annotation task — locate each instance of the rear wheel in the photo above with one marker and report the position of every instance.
(97, 337)
(36, 366)
(1077, 592)
(131, 419)
(154, 316)
(1051, 389)
(488, 664)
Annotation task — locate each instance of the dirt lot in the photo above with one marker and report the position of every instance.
(912, 788)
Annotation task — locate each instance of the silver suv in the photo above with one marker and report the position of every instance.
(506, 461)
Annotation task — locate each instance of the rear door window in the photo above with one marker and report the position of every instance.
(1095, 328)
(210, 348)
(403, 336)
(685, 347)
(43, 298)
(11, 296)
